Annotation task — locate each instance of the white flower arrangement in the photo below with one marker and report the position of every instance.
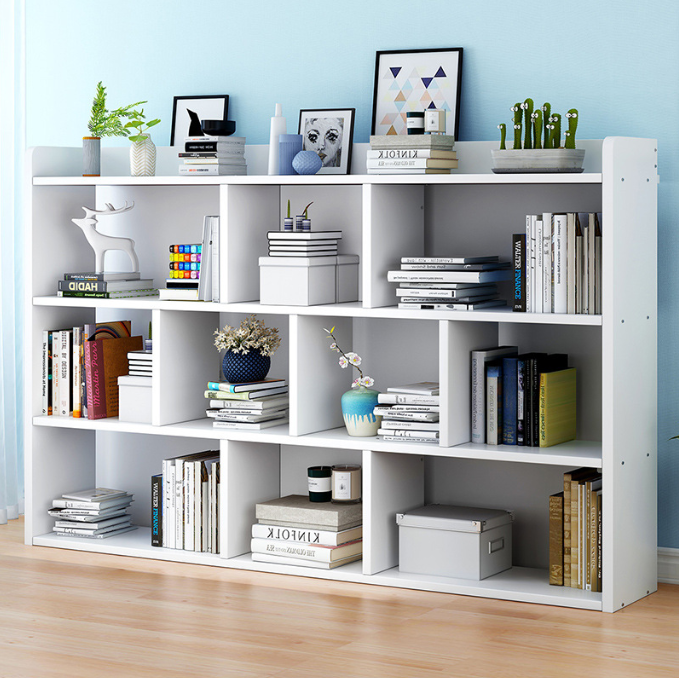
(252, 335)
(347, 359)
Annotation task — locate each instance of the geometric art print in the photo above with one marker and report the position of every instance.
(416, 81)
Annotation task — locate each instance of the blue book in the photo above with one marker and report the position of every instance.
(509, 400)
(521, 381)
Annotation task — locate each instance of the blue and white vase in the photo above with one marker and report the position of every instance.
(239, 367)
(357, 410)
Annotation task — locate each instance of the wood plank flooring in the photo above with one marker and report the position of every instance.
(66, 614)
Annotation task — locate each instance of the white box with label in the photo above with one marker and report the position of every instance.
(455, 541)
(135, 399)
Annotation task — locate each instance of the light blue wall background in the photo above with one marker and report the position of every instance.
(617, 62)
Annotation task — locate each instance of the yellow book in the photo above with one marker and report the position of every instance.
(557, 407)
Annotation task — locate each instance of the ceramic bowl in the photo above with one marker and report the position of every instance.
(218, 128)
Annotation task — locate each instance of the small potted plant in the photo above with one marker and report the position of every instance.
(103, 123)
(143, 150)
(541, 150)
(248, 349)
(358, 404)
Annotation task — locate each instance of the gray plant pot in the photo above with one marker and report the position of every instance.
(537, 160)
(91, 156)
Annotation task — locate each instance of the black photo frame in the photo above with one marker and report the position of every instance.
(206, 107)
(330, 122)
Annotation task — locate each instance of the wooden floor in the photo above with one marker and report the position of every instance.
(77, 615)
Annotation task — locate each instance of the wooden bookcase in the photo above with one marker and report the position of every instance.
(382, 218)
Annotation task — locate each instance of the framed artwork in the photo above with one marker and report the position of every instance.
(330, 133)
(188, 111)
(414, 81)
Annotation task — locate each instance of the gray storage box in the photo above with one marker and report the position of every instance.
(455, 541)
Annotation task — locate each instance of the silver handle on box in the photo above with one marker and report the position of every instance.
(496, 545)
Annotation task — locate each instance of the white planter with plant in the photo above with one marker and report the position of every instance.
(143, 150)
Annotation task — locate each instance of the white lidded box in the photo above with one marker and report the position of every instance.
(134, 399)
(455, 541)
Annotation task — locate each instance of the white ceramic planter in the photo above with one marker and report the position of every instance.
(537, 160)
(143, 157)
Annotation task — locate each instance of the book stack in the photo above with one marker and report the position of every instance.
(575, 521)
(410, 413)
(185, 503)
(95, 513)
(107, 285)
(213, 155)
(411, 154)
(450, 283)
(250, 406)
(522, 399)
(303, 243)
(140, 364)
(557, 264)
(293, 530)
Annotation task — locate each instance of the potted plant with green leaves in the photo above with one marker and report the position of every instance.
(103, 123)
(143, 150)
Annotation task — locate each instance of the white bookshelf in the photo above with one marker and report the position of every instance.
(382, 219)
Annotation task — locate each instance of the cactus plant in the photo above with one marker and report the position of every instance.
(546, 112)
(537, 128)
(555, 137)
(516, 109)
(527, 106)
(572, 116)
(503, 136)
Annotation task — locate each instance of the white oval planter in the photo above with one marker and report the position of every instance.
(537, 160)
(143, 157)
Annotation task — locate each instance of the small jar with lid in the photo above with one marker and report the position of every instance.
(320, 483)
(346, 483)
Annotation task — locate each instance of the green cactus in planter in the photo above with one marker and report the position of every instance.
(518, 114)
(527, 106)
(503, 136)
(546, 112)
(572, 116)
(555, 135)
(537, 128)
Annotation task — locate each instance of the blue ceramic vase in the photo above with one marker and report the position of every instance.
(289, 145)
(357, 410)
(307, 162)
(239, 367)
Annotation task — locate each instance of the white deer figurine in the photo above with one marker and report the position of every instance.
(100, 242)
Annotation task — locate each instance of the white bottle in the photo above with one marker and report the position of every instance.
(278, 127)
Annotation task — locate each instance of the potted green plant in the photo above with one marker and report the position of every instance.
(103, 123)
(143, 150)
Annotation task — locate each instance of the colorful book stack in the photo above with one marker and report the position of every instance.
(410, 413)
(293, 530)
(575, 522)
(522, 399)
(95, 513)
(213, 155)
(450, 283)
(250, 406)
(303, 243)
(107, 285)
(185, 503)
(80, 368)
(411, 154)
(557, 264)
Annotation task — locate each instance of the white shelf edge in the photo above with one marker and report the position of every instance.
(517, 584)
(352, 310)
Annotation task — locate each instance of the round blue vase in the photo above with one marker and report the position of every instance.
(357, 410)
(239, 367)
(307, 162)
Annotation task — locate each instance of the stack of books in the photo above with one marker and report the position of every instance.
(410, 413)
(303, 243)
(108, 285)
(411, 154)
(293, 530)
(140, 364)
(95, 513)
(575, 553)
(250, 406)
(209, 155)
(450, 283)
(524, 399)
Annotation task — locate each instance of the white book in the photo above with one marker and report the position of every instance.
(306, 535)
(76, 383)
(250, 406)
(409, 408)
(419, 439)
(416, 425)
(299, 562)
(467, 287)
(584, 291)
(570, 263)
(96, 494)
(247, 417)
(449, 276)
(142, 355)
(432, 292)
(250, 426)
(420, 388)
(95, 505)
(578, 263)
(539, 264)
(316, 552)
(84, 532)
(65, 377)
(179, 504)
(547, 262)
(528, 255)
(406, 399)
(453, 306)
(408, 433)
(189, 506)
(93, 525)
(560, 265)
(98, 535)
(44, 374)
(402, 415)
(449, 260)
(87, 515)
(598, 244)
(216, 280)
(591, 253)
(205, 279)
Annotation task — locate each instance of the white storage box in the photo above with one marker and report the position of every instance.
(308, 281)
(135, 399)
(455, 541)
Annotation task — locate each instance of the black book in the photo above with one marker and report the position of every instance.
(539, 364)
(519, 261)
(157, 510)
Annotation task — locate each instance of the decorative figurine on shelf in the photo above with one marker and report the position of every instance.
(358, 405)
(537, 128)
(307, 162)
(527, 106)
(516, 109)
(572, 116)
(102, 243)
(503, 135)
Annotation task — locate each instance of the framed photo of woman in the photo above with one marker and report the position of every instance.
(329, 132)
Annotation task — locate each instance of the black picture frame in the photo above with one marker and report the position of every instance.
(390, 65)
(340, 162)
(208, 108)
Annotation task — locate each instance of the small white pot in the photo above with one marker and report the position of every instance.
(537, 160)
(143, 157)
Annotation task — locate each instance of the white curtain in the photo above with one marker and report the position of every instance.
(11, 283)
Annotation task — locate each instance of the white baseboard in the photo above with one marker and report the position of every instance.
(668, 566)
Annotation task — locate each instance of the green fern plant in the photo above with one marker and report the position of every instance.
(137, 121)
(105, 123)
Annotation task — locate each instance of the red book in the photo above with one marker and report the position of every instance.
(105, 361)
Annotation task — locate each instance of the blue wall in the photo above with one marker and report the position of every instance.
(617, 62)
